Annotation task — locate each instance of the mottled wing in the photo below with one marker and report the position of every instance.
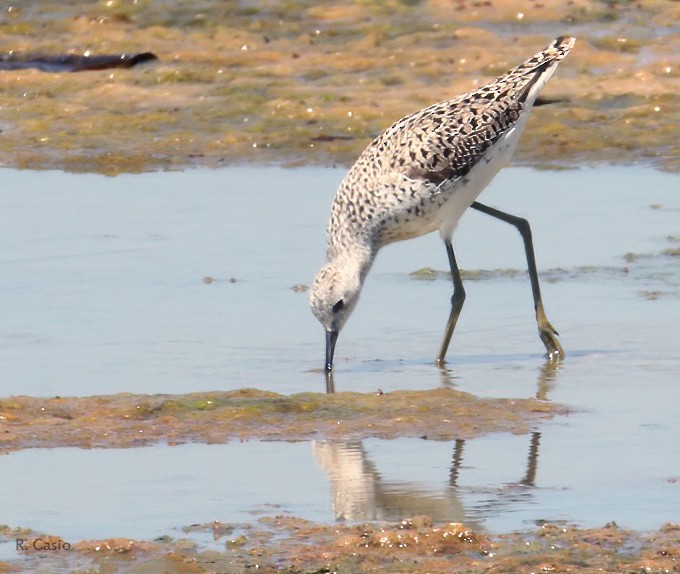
(447, 140)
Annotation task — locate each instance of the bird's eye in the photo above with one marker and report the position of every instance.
(339, 306)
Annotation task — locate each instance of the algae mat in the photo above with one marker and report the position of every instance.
(306, 83)
(126, 420)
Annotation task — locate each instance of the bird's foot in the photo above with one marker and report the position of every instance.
(548, 335)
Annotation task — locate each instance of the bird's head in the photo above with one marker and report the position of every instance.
(333, 296)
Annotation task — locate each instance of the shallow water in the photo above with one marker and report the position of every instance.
(499, 483)
(103, 292)
(103, 285)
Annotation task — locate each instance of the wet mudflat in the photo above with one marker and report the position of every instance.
(305, 83)
(136, 420)
(292, 545)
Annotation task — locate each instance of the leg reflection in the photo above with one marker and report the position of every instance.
(532, 463)
(330, 383)
(546, 378)
(456, 462)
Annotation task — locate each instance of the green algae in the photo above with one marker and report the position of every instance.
(582, 272)
(126, 420)
(236, 83)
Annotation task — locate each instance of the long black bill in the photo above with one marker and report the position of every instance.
(331, 338)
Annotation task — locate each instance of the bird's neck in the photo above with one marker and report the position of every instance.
(355, 257)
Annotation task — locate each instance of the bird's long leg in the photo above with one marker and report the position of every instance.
(546, 331)
(457, 300)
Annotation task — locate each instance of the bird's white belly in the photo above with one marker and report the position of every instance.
(468, 189)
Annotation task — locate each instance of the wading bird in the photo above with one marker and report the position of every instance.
(419, 176)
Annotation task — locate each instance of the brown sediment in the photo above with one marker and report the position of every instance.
(292, 545)
(126, 420)
(298, 83)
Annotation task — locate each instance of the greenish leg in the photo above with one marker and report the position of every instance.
(546, 331)
(457, 300)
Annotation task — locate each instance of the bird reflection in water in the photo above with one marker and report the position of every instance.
(360, 492)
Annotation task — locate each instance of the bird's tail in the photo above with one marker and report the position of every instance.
(527, 79)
